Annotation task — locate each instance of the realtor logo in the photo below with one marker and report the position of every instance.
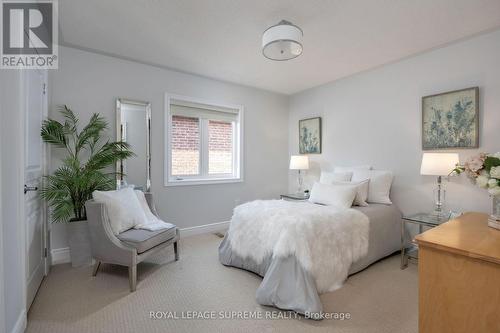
(29, 34)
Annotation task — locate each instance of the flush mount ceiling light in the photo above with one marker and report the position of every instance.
(282, 41)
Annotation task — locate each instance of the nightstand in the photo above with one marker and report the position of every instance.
(410, 253)
(294, 197)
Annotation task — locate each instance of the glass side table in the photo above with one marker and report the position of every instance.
(410, 253)
(295, 197)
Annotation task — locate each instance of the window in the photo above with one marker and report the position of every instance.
(203, 142)
(185, 146)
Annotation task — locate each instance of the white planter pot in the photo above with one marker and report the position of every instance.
(79, 243)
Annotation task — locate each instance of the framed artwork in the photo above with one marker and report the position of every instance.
(310, 136)
(451, 120)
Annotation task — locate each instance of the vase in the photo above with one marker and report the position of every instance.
(79, 243)
(494, 220)
(495, 208)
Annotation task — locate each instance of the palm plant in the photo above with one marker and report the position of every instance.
(83, 170)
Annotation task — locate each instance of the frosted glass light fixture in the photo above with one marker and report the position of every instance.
(282, 41)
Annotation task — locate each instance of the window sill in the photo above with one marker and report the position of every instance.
(209, 181)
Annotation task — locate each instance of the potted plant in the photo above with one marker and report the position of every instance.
(84, 169)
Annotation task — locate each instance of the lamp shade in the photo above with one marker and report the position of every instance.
(282, 41)
(438, 164)
(299, 162)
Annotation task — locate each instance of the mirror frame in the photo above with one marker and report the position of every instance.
(147, 106)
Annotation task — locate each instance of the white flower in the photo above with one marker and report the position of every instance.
(495, 191)
(492, 183)
(495, 172)
(497, 155)
(482, 181)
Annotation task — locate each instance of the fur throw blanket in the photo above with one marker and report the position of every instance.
(326, 240)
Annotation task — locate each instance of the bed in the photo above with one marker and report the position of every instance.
(287, 282)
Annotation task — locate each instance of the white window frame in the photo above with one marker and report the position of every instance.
(204, 178)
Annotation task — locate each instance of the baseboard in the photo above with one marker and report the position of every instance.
(21, 323)
(60, 256)
(204, 229)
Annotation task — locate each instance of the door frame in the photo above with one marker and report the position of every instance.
(21, 231)
(22, 180)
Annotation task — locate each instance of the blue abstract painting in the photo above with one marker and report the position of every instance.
(310, 136)
(450, 120)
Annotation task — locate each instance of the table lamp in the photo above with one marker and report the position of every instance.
(438, 164)
(299, 162)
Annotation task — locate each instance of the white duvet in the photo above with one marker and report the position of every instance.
(326, 240)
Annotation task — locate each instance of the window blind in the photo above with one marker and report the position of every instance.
(229, 115)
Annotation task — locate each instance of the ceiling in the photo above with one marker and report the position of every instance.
(221, 39)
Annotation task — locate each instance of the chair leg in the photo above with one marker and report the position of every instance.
(176, 251)
(96, 267)
(132, 277)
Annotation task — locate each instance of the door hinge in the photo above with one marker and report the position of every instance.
(44, 88)
(45, 253)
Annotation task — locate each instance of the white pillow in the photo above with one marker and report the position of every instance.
(352, 168)
(150, 217)
(333, 195)
(330, 177)
(361, 191)
(123, 207)
(380, 184)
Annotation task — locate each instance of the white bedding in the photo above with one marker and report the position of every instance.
(326, 240)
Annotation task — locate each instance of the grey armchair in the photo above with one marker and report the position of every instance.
(128, 248)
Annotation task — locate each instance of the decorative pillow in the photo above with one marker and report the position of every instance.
(330, 177)
(333, 195)
(150, 217)
(123, 207)
(361, 191)
(380, 184)
(352, 168)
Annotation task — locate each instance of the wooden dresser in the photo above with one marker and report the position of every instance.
(459, 276)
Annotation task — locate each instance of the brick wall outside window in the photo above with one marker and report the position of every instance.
(220, 147)
(186, 145)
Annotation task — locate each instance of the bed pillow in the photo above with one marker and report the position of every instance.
(330, 177)
(333, 195)
(123, 208)
(352, 168)
(361, 191)
(380, 184)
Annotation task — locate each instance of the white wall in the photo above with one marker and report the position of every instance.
(375, 117)
(12, 243)
(89, 82)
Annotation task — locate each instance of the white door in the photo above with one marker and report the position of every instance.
(34, 168)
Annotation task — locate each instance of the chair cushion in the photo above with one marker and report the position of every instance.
(144, 240)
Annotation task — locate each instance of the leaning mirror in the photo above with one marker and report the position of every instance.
(133, 125)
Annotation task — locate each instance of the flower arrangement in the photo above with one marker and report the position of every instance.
(484, 171)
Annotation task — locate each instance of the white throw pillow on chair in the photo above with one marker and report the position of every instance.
(150, 217)
(123, 208)
(333, 195)
(152, 222)
(380, 184)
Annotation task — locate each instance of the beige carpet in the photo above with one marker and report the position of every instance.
(381, 298)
